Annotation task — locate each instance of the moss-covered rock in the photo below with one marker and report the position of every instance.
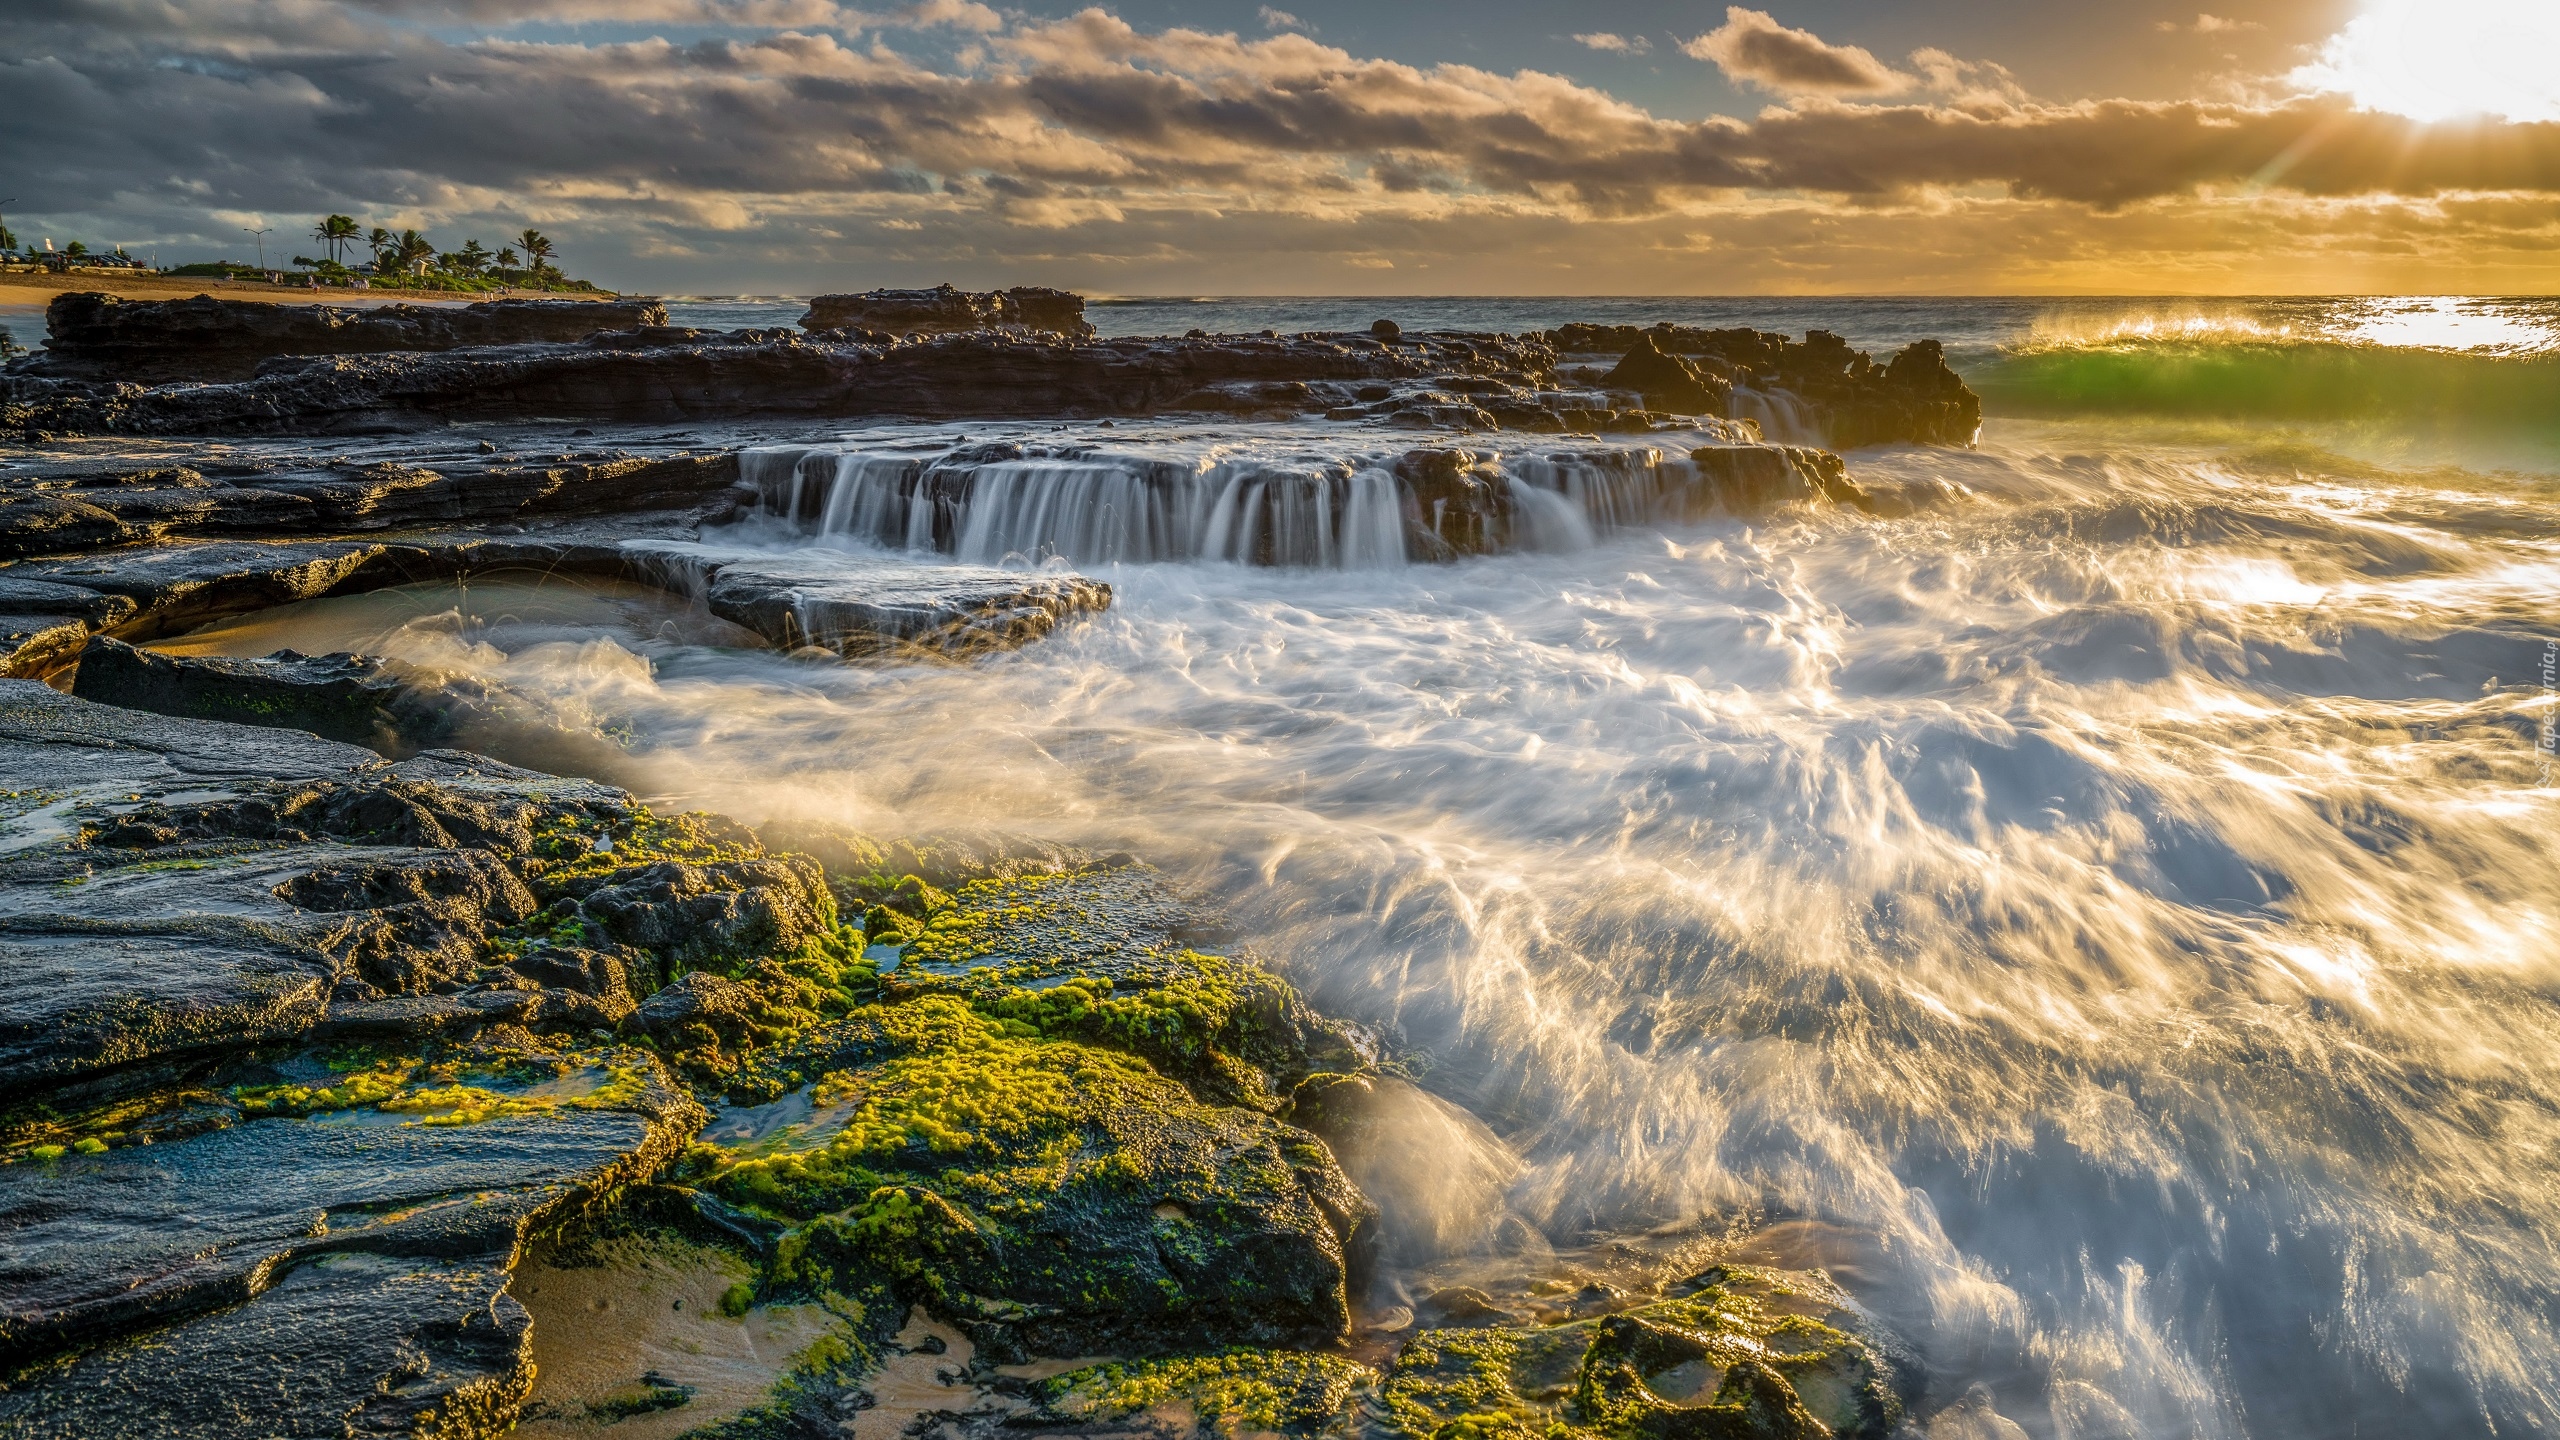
(1231, 1393)
(1051, 1196)
(1108, 954)
(1749, 1354)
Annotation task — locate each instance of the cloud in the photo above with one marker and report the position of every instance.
(1751, 47)
(1615, 44)
(1089, 143)
(1280, 20)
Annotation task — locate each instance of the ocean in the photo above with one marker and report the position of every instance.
(2107, 915)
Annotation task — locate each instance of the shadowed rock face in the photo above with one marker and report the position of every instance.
(111, 338)
(1913, 398)
(943, 310)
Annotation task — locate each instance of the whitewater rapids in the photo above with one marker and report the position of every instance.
(2108, 915)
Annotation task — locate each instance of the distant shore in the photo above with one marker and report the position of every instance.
(38, 289)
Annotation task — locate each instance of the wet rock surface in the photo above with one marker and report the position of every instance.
(52, 509)
(875, 605)
(203, 338)
(360, 699)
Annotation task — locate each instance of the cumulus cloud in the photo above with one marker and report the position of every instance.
(1089, 138)
(1615, 44)
(1752, 48)
(1280, 20)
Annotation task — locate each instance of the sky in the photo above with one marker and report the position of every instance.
(1388, 147)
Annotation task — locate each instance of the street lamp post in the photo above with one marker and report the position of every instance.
(261, 234)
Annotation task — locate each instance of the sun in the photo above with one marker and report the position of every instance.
(2446, 59)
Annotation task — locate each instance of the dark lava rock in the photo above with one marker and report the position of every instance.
(1386, 329)
(360, 699)
(334, 1275)
(1064, 1144)
(1666, 381)
(663, 373)
(176, 587)
(110, 337)
(943, 310)
(173, 889)
(53, 513)
(873, 605)
(724, 1011)
(687, 914)
(1914, 398)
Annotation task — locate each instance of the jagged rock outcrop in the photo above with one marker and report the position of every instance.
(109, 337)
(943, 310)
(1913, 398)
(1667, 382)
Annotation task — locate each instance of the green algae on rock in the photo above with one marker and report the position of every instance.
(256, 1271)
(1109, 955)
(1750, 1354)
(1237, 1391)
(1049, 1196)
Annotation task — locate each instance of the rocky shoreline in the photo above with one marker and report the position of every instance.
(353, 1082)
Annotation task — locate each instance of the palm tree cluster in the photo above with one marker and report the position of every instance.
(409, 253)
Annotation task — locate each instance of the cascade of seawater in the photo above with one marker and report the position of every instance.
(1612, 490)
(1781, 416)
(870, 498)
(1306, 511)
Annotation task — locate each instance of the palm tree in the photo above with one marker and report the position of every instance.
(411, 251)
(537, 248)
(337, 232)
(378, 240)
(506, 257)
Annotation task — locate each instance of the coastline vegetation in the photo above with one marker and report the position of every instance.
(355, 257)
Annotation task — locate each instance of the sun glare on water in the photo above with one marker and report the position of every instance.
(2447, 59)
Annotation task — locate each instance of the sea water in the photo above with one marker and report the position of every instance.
(2107, 914)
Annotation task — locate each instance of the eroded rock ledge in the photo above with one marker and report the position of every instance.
(659, 374)
(91, 336)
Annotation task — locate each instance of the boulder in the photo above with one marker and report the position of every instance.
(701, 1009)
(205, 339)
(1666, 381)
(1055, 1129)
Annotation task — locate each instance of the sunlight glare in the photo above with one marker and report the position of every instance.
(2446, 59)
